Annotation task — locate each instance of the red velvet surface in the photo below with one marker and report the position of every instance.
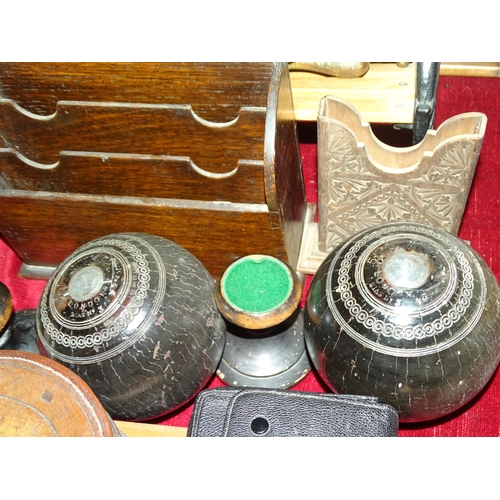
(481, 416)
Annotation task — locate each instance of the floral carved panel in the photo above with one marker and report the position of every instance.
(362, 182)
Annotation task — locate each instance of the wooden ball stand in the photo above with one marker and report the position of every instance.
(258, 295)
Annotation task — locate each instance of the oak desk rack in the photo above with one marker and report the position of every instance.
(204, 154)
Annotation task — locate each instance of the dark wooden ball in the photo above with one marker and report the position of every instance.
(407, 313)
(134, 316)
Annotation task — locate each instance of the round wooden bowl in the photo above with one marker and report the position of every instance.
(41, 398)
(407, 313)
(134, 316)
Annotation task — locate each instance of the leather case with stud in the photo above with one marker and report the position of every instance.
(255, 412)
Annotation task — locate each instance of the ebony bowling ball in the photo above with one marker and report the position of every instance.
(407, 313)
(134, 316)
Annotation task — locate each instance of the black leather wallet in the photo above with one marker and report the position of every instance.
(256, 412)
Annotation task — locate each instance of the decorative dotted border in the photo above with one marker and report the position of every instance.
(119, 325)
(422, 330)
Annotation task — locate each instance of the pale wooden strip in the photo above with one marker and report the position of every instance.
(484, 69)
(386, 94)
(139, 429)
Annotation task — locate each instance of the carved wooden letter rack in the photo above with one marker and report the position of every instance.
(363, 182)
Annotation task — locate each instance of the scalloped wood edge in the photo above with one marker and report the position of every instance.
(363, 182)
(151, 130)
(390, 159)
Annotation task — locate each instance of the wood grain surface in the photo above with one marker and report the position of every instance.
(46, 227)
(41, 398)
(144, 176)
(216, 91)
(203, 154)
(133, 129)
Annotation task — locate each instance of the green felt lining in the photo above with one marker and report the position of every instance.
(257, 284)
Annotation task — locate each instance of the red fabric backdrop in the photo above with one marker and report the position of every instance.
(481, 417)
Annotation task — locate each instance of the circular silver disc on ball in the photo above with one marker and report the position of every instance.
(407, 270)
(86, 283)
